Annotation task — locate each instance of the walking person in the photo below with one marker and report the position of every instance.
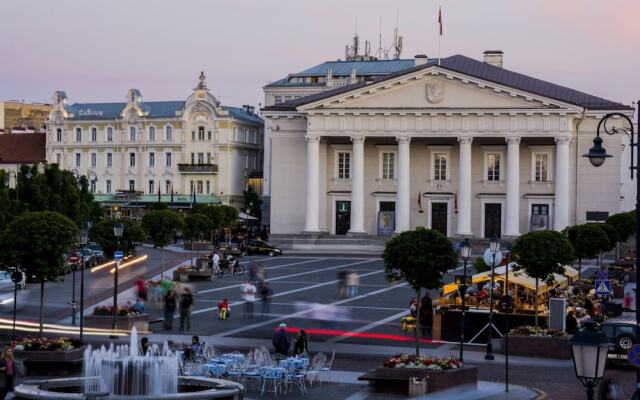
(216, 262)
(352, 282)
(169, 309)
(281, 340)
(301, 347)
(426, 315)
(186, 302)
(265, 293)
(224, 309)
(249, 297)
(342, 278)
(7, 368)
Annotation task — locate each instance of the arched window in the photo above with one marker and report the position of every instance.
(152, 133)
(168, 133)
(132, 133)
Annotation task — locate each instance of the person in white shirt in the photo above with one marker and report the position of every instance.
(216, 262)
(249, 296)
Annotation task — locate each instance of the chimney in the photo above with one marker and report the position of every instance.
(420, 59)
(248, 109)
(493, 57)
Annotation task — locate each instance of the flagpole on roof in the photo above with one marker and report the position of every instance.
(440, 28)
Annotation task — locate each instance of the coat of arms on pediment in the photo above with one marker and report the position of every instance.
(435, 91)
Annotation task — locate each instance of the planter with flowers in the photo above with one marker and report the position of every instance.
(186, 273)
(127, 318)
(409, 374)
(39, 355)
(531, 341)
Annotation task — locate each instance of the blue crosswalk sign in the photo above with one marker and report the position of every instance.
(603, 287)
(118, 255)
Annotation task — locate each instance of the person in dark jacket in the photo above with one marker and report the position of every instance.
(426, 315)
(186, 302)
(571, 323)
(281, 340)
(169, 309)
(300, 347)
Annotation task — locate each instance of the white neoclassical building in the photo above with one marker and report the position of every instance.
(140, 151)
(460, 145)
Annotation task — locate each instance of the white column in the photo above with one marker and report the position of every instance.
(357, 186)
(464, 191)
(512, 225)
(266, 160)
(311, 222)
(403, 197)
(561, 207)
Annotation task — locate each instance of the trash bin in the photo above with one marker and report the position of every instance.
(417, 386)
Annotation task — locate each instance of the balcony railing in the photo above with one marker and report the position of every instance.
(198, 168)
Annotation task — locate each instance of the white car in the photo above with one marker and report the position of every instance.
(7, 284)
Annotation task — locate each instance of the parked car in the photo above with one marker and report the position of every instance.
(6, 283)
(232, 249)
(261, 247)
(97, 251)
(622, 333)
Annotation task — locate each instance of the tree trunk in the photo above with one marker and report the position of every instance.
(161, 263)
(418, 327)
(41, 305)
(535, 302)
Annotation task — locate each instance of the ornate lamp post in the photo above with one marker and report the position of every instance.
(16, 277)
(589, 347)
(118, 228)
(465, 254)
(494, 248)
(597, 156)
(83, 238)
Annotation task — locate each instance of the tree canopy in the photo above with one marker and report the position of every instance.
(229, 216)
(102, 233)
(214, 213)
(624, 224)
(543, 253)
(252, 202)
(420, 257)
(587, 240)
(161, 226)
(196, 226)
(612, 236)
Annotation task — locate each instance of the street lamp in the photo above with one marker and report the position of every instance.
(465, 254)
(597, 156)
(83, 238)
(589, 347)
(494, 248)
(16, 277)
(118, 227)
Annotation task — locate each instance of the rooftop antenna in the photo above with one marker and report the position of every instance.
(351, 52)
(397, 40)
(380, 53)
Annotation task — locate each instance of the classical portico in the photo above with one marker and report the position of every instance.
(435, 147)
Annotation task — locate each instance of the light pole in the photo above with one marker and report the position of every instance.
(465, 253)
(597, 156)
(16, 277)
(509, 306)
(118, 227)
(83, 237)
(494, 247)
(590, 347)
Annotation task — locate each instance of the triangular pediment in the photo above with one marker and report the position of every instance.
(434, 88)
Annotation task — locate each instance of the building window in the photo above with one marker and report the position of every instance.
(168, 133)
(201, 133)
(94, 134)
(167, 187)
(208, 187)
(208, 158)
(132, 159)
(151, 186)
(541, 167)
(59, 135)
(109, 134)
(208, 135)
(132, 185)
(107, 186)
(193, 158)
(109, 160)
(191, 187)
(388, 165)
(199, 187)
(344, 165)
(93, 159)
(78, 159)
(200, 158)
(92, 186)
(193, 135)
(494, 161)
(58, 159)
(78, 135)
(152, 133)
(132, 133)
(167, 158)
(278, 99)
(440, 166)
(152, 159)
(235, 133)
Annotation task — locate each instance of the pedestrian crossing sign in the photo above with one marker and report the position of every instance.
(603, 287)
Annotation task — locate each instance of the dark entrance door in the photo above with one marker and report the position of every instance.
(539, 217)
(343, 217)
(492, 219)
(439, 217)
(387, 218)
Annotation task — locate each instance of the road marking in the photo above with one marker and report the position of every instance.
(300, 313)
(360, 395)
(292, 305)
(365, 328)
(315, 271)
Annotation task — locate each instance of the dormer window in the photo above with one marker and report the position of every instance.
(132, 133)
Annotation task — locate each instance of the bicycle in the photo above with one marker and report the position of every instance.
(224, 269)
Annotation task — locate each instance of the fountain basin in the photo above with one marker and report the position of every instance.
(189, 387)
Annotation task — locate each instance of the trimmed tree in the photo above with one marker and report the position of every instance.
(252, 202)
(541, 254)
(132, 236)
(625, 226)
(419, 257)
(612, 236)
(38, 241)
(214, 213)
(196, 226)
(161, 226)
(587, 240)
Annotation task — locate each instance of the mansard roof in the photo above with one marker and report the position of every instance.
(476, 69)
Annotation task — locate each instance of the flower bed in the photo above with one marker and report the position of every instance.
(40, 355)
(529, 341)
(127, 318)
(528, 330)
(47, 344)
(428, 362)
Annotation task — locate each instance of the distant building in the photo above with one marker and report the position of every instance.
(21, 149)
(141, 151)
(19, 117)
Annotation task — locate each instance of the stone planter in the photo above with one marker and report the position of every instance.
(535, 346)
(197, 246)
(125, 323)
(51, 363)
(183, 276)
(409, 381)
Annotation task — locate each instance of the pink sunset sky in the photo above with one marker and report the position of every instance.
(96, 50)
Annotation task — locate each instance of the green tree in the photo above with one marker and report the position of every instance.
(38, 241)
(252, 202)
(625, 225)
(541, 254)
(587, 240)
(229, 216)
(161, 226)
(479, 265)
(612, 236)
(214, 213)
(196, 227)
(420, 257)
(132, 236)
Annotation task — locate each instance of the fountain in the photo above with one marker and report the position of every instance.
(121, 372)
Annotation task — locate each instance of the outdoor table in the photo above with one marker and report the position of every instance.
(233, 356)
(215, 369)
(295, 363)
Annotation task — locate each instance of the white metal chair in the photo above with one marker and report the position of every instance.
(324, 374)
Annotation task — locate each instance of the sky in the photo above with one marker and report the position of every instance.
(95, 50)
